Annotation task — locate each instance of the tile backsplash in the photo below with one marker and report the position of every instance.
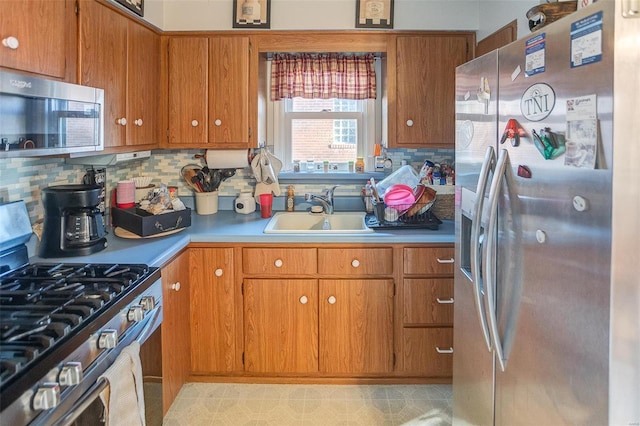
(24, 178)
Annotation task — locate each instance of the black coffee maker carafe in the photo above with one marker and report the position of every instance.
(72, 222)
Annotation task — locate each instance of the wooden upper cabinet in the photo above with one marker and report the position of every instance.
(40, 35)
(143, 83)
(209, 92)
(229, 92)
(425, 90)
(103, 64)
(188, 77)
(122, 57)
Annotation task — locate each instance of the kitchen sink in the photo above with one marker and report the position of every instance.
(312, 223)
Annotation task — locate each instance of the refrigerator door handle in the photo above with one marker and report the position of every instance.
(476, 250)
(489, 249)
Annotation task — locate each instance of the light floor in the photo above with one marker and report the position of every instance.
(282, 405)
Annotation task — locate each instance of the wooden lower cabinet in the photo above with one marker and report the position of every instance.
(335, 327)
(281, 325)
(175, 328)
(213, 313)
(428, 352)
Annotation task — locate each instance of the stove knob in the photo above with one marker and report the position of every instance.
(135, 314)
(47, 396)
(148, 303)
(108, 339)
(70, 374)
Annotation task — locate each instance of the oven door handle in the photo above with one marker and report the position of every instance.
(83, 403)
(151, 325)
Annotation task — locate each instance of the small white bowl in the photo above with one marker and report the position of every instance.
(142, 181)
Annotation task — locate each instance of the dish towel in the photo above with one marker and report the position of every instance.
(123, 398)
(266, 167)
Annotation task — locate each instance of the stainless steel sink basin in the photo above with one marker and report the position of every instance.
(309, 223)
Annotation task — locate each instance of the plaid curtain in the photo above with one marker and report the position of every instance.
(323, 76)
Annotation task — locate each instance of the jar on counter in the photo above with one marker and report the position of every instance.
(360, 165)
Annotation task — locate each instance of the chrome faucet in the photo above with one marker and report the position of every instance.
(326, 198)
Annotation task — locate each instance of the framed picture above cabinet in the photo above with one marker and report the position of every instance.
(251, 14)
(374, 14)
(136, 6)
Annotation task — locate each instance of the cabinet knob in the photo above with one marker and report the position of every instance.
(331, 300)
(175, 286)
(194, 123)
(121, 121)
(450, 260)
(355, 263)
(444, 351)
(218, 272)
(409, 123)
(278, 263)
(10, 42)
(138, 122)
(218, 122)
(444, 301)
(303, 300)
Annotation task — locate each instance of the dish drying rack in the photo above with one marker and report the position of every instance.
(422, 219)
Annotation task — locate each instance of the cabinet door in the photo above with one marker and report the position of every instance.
(175, 328)
(188, 90)
(39, 28)
(229, 92)
(103, 64)
(425, 73)
(143, 84)
(428, 260)
(356, 326)
(353, 261)
(213, 318)
(281, 325)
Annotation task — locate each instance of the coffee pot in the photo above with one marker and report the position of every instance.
(73, 223)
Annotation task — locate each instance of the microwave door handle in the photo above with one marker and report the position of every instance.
(476, 242)
(490, 255)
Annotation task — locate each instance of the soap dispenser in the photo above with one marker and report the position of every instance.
(290, 200)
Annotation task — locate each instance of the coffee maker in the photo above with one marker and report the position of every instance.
(72, 222)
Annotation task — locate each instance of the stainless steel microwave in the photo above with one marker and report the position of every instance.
(48, 117)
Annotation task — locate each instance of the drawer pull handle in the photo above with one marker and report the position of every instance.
(444, 301)
(303, 300)
(355, 263)
(175, 286)
(450, 260)
(11, 42)
(278, 263)
(218, 272)
(331, 300)
(444, 351)
(194, 123)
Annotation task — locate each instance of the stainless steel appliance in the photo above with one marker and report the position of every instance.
(48, 117)
(63, 325)
(73, 224)
(547, 298)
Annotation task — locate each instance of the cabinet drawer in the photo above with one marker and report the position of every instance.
(370, 261)
(428, 351)
(279, 261)
(428, 301)
(428, 260)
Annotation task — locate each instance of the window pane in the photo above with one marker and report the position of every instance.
(324, 139)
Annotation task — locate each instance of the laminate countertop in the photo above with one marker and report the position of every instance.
(227, 226)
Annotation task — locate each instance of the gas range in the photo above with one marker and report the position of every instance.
(62, 325)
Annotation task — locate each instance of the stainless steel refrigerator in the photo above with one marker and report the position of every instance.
(547, 285)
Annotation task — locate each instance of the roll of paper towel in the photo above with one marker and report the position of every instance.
(227, 158)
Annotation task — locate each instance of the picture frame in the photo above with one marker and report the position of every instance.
(374, 14)
(136, 6)
(250, 14)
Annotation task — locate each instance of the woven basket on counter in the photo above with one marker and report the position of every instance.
(444, 207)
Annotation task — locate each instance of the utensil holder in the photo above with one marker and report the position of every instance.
(206, 202)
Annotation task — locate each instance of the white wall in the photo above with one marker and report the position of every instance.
(181, 15)
(495, 14)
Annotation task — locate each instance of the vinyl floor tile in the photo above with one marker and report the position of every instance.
(222, 404)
